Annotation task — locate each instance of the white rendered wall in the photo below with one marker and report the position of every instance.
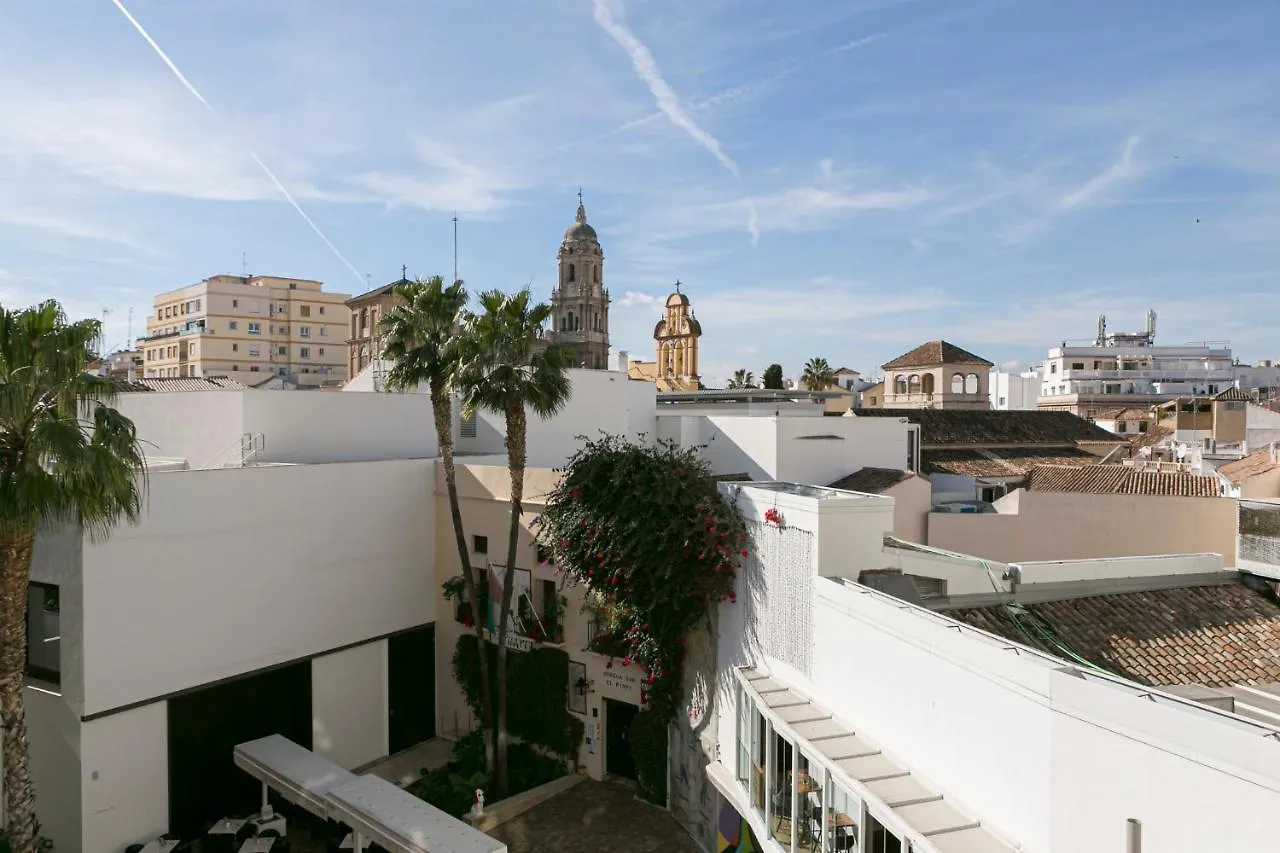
(231, 571)
(192, 425)
(125, 778)
(53, 733)
(806, 455)
(349, 705)
(322, 426)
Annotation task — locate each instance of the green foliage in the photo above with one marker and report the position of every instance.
(646, 531)
(421, 333)
(772, 377)
(537, 684)
(818, 375)
(743, 379)
(451, 787)
(455, 588)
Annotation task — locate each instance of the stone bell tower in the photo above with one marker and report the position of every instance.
(580, 300)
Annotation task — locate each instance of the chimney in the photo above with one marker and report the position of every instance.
(624, 363)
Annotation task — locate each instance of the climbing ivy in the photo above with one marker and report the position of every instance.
(645, 530)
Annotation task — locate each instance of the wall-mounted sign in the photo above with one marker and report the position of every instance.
(622, 683)
(516, 643)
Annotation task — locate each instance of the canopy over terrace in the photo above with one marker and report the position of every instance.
(398, 821)
(297, 774)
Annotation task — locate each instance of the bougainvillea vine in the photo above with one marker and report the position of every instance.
(645, 529)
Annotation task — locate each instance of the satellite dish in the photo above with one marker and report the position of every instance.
(1182, 451)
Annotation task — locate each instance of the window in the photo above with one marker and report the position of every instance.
(480, 544)
(572, 273)
(1121, 426)
(322, 352)
(304, 310)
(253, 368)
(926, 383)
(1142, 426)
(880, 839)
(1077, 365)
(168, 312)
(971, 384)
(323, 332)
(957, 383)
(900, 384)
(1053, 368)
(1235, 405)
(468, 426)
(913, 384)
(1213, 389)
(233, 325)
(293, 286)
(304, 352)
(782, 777)
(43, 634)
(321, 310)
(304, 331)
(235, 303)
(282, 350)
(253, 350)
(197, 304)
(255, 328)
(159, 314)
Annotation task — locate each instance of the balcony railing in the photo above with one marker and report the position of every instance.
(1157, 375)
(1260, 549)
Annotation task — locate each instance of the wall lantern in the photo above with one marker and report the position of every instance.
(582, 686)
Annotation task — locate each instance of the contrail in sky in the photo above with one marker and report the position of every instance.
(182, 78)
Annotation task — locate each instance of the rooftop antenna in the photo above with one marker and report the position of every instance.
(1102, 330)
(455, 245)
(130, 344)
(244, 264)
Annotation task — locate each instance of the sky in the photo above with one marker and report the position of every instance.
(829, 179)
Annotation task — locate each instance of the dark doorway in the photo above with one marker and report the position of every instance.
(411, 688)
(204, 728)
(617, 747)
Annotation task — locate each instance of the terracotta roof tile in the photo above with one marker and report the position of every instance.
(935, 352)
(180, 383)
(1154, 435)
(1001, 462)
(1211, 635)
(1234, 394)
(996, 427)
(1123, 480)
(871, 480)
(1259, 462)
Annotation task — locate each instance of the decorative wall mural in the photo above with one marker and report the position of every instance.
(733, 834)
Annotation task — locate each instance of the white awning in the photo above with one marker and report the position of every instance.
(401, 823)
(297, 774)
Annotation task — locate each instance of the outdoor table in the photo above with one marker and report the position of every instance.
(227, 826)
(160, 845)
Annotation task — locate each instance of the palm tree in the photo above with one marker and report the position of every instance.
(818, 375)
(422, 342)
(66, 457)
(505, 369)
(743, 379)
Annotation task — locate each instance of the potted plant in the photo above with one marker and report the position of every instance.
(455, 590)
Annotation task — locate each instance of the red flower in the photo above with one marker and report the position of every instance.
(744, 552)
(626, 661)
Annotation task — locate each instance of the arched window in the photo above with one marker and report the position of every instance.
(900, 384)
(957, 383)
(569, 328)
(597, 274)
(971, 384)
(572, 273)
(364, 319)
(926, 383)
(913, 384)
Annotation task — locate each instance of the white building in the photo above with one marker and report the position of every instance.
(1015, 390)
(285, 596)
(1122, 369)
(911, 730)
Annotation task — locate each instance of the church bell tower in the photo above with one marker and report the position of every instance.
(580, 300)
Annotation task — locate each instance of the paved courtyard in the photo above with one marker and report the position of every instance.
(592, 817)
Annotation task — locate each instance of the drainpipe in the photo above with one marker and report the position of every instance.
(1134, 835)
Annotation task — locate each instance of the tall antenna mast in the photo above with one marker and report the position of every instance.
(129, 345)
(455, 245)
(244, 264)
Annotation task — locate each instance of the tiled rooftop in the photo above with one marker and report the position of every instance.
(188, 383)
(1235, 395)
(1002, 462)
(1213, 635)
(872, 480)
(932, 353)
(1258, 462)
(1123, 480)
(945, 427)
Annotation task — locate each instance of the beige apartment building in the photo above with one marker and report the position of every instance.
(250, 329)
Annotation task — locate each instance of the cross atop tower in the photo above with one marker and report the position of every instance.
(579, 195)
(404, 272)
(677, 285)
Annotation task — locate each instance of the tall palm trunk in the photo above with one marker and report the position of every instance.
(15, 570)
(516, 428)
(442, 408)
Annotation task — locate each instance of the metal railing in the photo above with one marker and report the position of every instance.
(240, 454)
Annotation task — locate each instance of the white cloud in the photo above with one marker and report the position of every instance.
(67, 227)
(608, 14)
(805, 208)
(1121, 170)
(635, 299)
(833, 302)
(445, 183)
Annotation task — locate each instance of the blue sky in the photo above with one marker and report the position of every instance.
(836, 179)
